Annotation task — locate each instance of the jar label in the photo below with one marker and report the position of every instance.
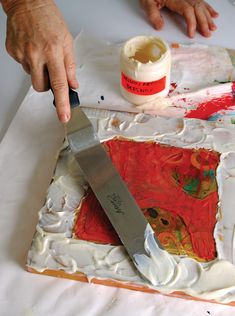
(143, 88)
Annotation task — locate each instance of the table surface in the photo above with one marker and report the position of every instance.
(114, 20)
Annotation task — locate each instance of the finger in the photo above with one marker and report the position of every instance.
(39, 77)
(187, 11)
(59, 84)
(202, 21)
(210, 21)
(153, 14)
(26, 67)
(189, 15)
(70, 67)
(38, 70)
(212, 12)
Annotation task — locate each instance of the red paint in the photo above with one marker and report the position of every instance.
(173, 87)
(149, 171)
(208, 108)
(233, 87)
(92, 223)
(143, 88)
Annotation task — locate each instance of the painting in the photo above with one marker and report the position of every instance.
(175, 188)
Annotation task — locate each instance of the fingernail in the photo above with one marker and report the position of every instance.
(191, 34)
(64, 118)
(76, 84)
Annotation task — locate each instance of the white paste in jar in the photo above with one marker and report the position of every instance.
(145, 69)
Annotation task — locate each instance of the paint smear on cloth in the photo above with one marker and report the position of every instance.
(206, 109)
(194, 67)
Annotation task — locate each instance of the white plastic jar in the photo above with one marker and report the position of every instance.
(145, 69)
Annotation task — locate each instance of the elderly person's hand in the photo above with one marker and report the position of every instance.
(197, 13)
(38, 38)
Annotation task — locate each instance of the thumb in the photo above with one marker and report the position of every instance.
(153, 14)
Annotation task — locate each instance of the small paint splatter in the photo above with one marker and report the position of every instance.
(173, 87)
(175, 45)
(115, 122)
(209, 313)
(101, 98)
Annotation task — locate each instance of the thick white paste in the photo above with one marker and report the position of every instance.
(53, 247)
(145, 61)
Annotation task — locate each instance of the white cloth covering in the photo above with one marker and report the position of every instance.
(196, 70)
(27, 159)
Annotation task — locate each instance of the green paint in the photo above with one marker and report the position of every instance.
(178, 235)
(222, 82)
(192, 186)
(210, 173)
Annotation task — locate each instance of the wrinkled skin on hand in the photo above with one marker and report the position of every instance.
(197, 13)
(38, 38)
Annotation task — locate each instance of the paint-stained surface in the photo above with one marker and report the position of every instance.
(206, 109)
(176, 189)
